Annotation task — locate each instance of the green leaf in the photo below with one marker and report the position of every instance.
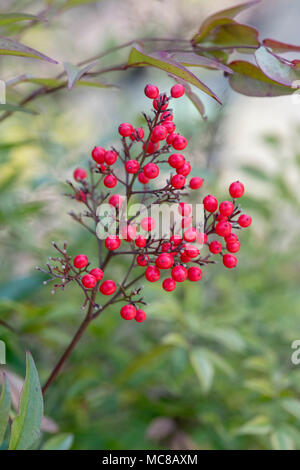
(26, 426)
(22, 287)
(94, 84)
(276, 68)
(203, 368)
(4, 407)
(7, 18)
(74, 72)
(48, 82)
(62, 441)
(259, 425)
(280, 440)
(143, 360)
(292, 406)
(228, 337)
(228, 13)
(278, 46)
(11, 47)
(13, 108)
(249, 80)
(162, 60)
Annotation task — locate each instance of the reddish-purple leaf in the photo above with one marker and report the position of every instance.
(278, 46)
(276, 68)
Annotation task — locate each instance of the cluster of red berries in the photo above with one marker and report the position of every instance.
(180, 254)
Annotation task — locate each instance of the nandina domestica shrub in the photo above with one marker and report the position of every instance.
(135, 171)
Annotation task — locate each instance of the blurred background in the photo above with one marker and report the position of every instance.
(211, 368)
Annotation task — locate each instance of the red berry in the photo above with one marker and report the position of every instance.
(112, 242)
(229, 261)
(110, 181)
(176, 160)
(184, 209)
(210, 203)
(110, 157)
(125, 129)
(194, 274)
(80, 261)
(190, 235)
(151, 147)
(185, 258)
(166, 246)
(201, 238)
(226, 208)
(151, 170)
(185, 169)
(170, 126)
(108, 287)
(143, 178)
(129, 232)
(157, 103)
(132, 166)
(196, 182)
(98, 154)
(233, 247)
(191, 251)
(151, 91)
(147, 223)
(102, 168)
(179, 142)
(178, 181)
(244, 220)
(164, 261)
(138, 134)
(169, 284)
(177, 91)
(215, 247)
(115, 200)
(140, 316)
(152, 274)
(79, 174)
(159, 133)
(142, 260)
(231, 238)
(186, 222)
(223, 229)
(128, 312)
(140, 241)
(89, 281)
(80, 196)
(176, 239)
(236, 189)
(97, 273)
(179, 273)
(221, 218)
